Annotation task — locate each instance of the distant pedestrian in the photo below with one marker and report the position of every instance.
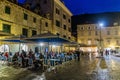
(107, 52)
(78, 54)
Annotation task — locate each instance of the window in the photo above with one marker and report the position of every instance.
(69, 29)
(108, 32)
(64, 36)
(58, 34)
(34, 20)
(46, 24)
(69, 20)
(25, 32)
(65, 27)
(81, 28)
(57, 11)
(89, 28)
(25, 16)
(34, 32)
(7, 10)
(69, 37)
(6, 28)
(116, 32)
(96, 27)
(96, 33)
(57, 23)
(64, 17)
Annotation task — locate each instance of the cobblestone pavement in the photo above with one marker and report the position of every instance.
(88, 68)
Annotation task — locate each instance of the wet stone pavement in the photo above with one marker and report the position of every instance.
(88, 68)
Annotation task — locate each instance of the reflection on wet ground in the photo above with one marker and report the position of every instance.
(88, 68)
(82, 70)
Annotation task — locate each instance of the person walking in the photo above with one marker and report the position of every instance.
(78, 54)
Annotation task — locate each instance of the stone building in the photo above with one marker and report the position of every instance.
(27, 20)
(56, 11)
(15, 19)
(93, 36)
(18, 21)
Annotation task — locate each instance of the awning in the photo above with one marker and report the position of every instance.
(47, 37)
(14, 40)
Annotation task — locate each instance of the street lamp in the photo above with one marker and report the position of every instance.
(100, 39)
(100, 25)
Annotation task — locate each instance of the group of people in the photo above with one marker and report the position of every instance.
(25, 59)
(22, 59)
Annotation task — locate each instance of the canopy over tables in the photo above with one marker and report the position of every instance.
(47, 37)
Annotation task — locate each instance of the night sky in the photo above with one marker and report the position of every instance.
(91, 6)
(21, 1)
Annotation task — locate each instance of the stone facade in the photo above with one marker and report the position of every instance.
(89, 34)
(17, 22)
(30, 19)
(56, 11)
